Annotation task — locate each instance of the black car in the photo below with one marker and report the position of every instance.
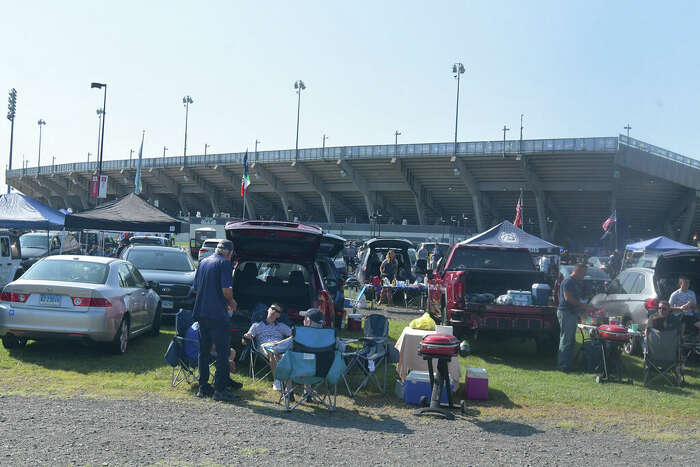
(173, 271)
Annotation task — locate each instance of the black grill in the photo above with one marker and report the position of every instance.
(174, 290)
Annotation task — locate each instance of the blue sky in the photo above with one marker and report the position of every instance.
(575, 68)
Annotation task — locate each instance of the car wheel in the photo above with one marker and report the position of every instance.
(121, 339)
(155, 327)
(633, 346)
(10, 341)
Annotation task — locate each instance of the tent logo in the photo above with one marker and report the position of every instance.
(508, 237)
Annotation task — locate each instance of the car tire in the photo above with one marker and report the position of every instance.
(633, 346)
(10, 341)
(120, 342)
(155, 326)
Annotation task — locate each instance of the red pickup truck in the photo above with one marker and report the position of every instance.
(457, 295)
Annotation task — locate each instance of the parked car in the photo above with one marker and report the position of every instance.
(208, 248)
(375, 252)
(593, 283)
(39, 244)
(11, 264)
(150, 240)
(277, 262)
(599, 262)
(200, 235)
(84, 298)
(330, 248)
(635, 292)
(172, 271)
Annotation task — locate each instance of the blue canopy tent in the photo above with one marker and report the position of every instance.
(506, 235)
(659, 244)
(18, 211)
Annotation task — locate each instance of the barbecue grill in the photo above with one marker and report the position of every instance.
(441, 347)
(612, 338)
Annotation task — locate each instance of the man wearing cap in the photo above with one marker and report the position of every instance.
(313, 318)
(270, 336)
(213, 306)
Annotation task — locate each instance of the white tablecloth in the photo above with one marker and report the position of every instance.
(408, 344)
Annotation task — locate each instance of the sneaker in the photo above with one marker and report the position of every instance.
(277, 385)
(225, 396)
(235, 385)
(205, 391)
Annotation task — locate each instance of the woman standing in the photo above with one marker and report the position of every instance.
(388, 270)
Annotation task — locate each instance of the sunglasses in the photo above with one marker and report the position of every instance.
(274, 308)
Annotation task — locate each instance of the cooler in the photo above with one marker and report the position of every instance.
(540, 294)
(476, 384)
(354, 322)
(417, 385)
(521, 297)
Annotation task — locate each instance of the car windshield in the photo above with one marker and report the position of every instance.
(161, 260)
(475, 258)
(33, 241)
(146, 241)
(68, 271)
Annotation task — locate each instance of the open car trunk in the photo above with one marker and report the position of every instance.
(671, 265)
(274, 240)
(498, 282)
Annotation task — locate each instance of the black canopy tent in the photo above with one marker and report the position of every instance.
(128, 214)
(506, 235)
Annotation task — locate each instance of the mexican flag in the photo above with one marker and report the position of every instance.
(245, 179)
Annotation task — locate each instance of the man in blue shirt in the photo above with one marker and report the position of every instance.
(213, 306)
(570, 306)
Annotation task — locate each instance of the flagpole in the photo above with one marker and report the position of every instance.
(244, 195)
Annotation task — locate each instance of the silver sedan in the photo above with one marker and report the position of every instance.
(85, 298)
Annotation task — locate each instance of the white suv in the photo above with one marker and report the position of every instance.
(208, 248)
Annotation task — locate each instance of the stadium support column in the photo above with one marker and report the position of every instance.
(688, 219)
(473, 186)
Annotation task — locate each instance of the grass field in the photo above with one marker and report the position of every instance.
(521, 384)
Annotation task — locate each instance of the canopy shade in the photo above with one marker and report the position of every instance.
(128, 214)
(18, 211)
(506, 235)
(659, 244)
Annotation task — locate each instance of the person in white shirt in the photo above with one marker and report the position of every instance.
(685, 301)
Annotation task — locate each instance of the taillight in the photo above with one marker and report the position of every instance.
(203, 250)
(86, 301)
(324, 304)
(459, 291)
(651, 305)
(14, 297)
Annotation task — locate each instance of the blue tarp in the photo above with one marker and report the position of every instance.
(659, 244)
(506, 235)
(18, 211)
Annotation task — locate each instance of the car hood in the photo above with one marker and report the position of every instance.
(168, 277)
(274, 240)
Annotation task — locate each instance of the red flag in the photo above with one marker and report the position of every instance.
(518, 222)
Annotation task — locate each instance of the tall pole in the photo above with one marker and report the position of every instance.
(89, 154)
(628, 128)
(505, 128)
(457, 69)
(187, 100)
(520, 146)
(99, 129)
(165, 148)
(323, 149)
(256, 148)
(397, 133)
(102, 136)
(41, 123)
(205, 148)
(299, 86)
(131, 155)
(11, 110)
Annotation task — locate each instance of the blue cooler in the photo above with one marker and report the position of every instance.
(540, 294)
(417, 385)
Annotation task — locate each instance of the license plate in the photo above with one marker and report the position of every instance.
(167, 304)
(48, 299)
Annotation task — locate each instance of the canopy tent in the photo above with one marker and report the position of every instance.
(128, 214)
(18, 211)
(506, 235)
(659, 244)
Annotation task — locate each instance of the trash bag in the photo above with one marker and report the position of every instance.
(425, 322)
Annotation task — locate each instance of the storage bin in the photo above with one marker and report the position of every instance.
(476, 384)
(417, 385)
(540, 294)
(521, 297)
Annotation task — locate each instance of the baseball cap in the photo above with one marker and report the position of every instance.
(225, 245)
(314, 314)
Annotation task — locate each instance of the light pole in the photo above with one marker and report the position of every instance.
(205, 148)
(11, 108)
(104, 119)
(397, 133)
(187, 100)
(89, 154)
(505, 128)
(299, 86)
(131, 155)
(165, 148)
(257, 141)
(99, 128)
(323, 148)
(53, 163)
(520, 146)
(457, 69)
(41, 123)
(628, 128)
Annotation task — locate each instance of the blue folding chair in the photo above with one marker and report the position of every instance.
(313, 364)
(373, 353)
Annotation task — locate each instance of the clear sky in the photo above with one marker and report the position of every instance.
(574, 68)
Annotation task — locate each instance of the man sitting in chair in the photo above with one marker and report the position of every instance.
(664, 319)
(685, 300)
(269, 335)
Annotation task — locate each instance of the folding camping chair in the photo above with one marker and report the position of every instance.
(183, 351)
(662, 356)
(312, 364)
(373, 353)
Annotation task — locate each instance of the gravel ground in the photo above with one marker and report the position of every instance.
(79, 431)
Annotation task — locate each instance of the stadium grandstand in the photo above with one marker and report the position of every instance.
(569, 186)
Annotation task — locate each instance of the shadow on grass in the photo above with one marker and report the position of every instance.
(144, 354)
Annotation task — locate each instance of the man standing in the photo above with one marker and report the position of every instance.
(570, 306)
(213, 304)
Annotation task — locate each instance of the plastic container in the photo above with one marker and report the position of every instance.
(540, 294)
(354, 322)
(521, 297)
(476, 384)
(417, 385)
